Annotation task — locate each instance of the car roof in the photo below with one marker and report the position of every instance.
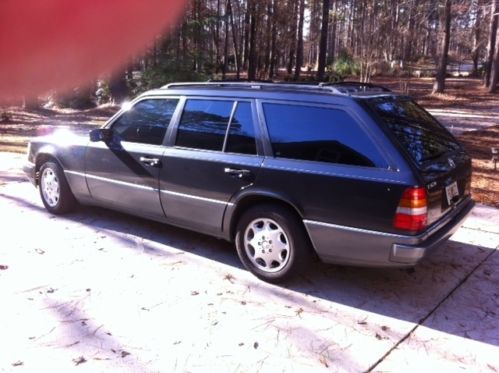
(257, 89)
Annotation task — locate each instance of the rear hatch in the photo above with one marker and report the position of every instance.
(438, 159)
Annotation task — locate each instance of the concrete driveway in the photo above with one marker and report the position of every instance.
(99, 291)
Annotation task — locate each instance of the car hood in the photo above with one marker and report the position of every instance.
(65, 136)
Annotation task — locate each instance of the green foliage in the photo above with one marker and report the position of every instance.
(164, 73)
(329, 77)
(344, 66)
(80, 98)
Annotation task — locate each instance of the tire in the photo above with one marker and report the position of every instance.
(54, 189)
(272, 243)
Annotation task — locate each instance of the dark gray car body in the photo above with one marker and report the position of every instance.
(347, 210)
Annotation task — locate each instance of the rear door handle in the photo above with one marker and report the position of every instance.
(153, 162)
(237, 172)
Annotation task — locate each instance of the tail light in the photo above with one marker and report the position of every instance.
(412, 211)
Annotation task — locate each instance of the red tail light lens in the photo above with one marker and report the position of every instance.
(412, 211)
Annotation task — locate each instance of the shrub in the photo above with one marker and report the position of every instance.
(344, 66)
(168, 72)
(80, 98)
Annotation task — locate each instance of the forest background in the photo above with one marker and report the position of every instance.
(311, 40)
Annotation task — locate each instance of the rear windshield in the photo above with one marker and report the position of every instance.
(416, 130)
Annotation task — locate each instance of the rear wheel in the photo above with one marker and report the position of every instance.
(272, 243)
(54, 189)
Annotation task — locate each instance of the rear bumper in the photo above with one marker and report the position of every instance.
(29, 170)
(354, 246)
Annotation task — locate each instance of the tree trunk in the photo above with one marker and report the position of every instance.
(118, 87)
(494, 19)
(433, 27)
(494, 74)
(351, 29)
(273, 47)
(252, 57)
(234, 39)
(291, 57)
(409, 40)
(246, 34)
(475, 54)
(268, 38)
(197, 34)
(217, 39)
(299, 42)
(439, 86)
(323, 41)
(332, 37)
(226, 42)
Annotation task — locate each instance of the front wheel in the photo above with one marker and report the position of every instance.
(272, 243)
(54, 189)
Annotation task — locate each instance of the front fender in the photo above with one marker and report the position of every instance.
(71, 158)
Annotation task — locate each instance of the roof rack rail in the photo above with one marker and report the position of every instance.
(239, 81)
(353, 87)
(252, 85)
(342, 88)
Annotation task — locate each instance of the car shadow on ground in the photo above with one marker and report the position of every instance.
(6, 177)
(86, 333)
(409, 295)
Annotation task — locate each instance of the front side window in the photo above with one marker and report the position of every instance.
(318, 134)
(204, 124)
(146, 122)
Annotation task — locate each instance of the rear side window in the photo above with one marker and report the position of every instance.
(203, 124)
(207, 124)
(318, 134)
(416, 130)
(146, 122)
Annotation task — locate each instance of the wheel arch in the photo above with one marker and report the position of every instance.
(45, 154)
(244, 202)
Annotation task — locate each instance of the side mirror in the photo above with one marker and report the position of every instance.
(101, 134)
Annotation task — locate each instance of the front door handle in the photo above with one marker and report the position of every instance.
(153, 162)
(239, 173)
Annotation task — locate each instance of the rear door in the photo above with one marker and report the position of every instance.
(214, 155)
(124, 172)
(327, 165)
(437, 157)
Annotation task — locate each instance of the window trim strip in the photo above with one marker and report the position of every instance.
(227, 130)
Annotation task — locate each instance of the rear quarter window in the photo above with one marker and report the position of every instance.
(319, 134)
(415, 129)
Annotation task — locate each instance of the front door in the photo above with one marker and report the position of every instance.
(123, 173)
(215, 156)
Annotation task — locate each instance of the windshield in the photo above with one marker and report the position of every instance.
(416, 130)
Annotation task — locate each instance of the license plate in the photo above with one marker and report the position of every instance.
(451, 191)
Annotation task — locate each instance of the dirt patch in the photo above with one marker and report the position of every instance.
(17, 125)
(467, 93)
(485, 182)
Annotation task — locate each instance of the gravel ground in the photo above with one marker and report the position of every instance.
(100, 291)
